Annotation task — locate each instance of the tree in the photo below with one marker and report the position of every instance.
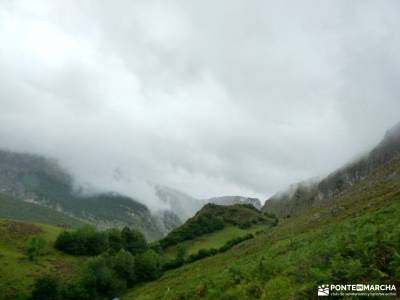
(36, 247)
(46, 288)
(148, 266)
(115, 240)
(134, 241)
(101, 279)
(123, 263)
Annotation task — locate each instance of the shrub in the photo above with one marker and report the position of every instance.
(46, 288)
(36, 247)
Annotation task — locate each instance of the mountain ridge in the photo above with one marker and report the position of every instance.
(43, 182)
(303, 195)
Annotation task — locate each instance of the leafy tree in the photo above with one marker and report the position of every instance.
(147, 266)
(115, 240)
(134, 241)
(100, 279)
(124, 266)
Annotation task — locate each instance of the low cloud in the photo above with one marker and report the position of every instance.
(204, 97)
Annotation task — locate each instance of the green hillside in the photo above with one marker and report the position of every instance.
(212, 218)
(17, 271)
(226, 252)
(353, 238)
(11, 208)
(214, 240)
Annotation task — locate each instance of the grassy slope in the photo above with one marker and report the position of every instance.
(214, 240)
(11, 208)
(17, 272)
(300, 252)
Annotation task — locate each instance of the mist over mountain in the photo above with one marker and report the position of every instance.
(43, 182)
(171, 95)
(300, 197)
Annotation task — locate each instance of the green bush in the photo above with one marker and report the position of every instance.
(36, 247)
(46, 288)
(148, 266)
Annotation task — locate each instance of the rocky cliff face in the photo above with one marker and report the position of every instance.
(301, 196)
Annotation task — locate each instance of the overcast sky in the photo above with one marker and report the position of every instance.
(209, 97)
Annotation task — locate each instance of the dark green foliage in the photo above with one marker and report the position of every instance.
(148, 266)
(46, 288)
(36, 247)
(88, 241)
(101, 279)
(197, 226)
(84, 241)
(115, 240)
(133, 241)
(124, 266)
(229, 244)
(77, 291)
(104, 277)
(202, 253)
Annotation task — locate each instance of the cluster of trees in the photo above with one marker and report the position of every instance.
(121, 259)
(202, 224)
(88, 241)
(104, 277)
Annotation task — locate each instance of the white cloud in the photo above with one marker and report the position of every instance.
(208, 97)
